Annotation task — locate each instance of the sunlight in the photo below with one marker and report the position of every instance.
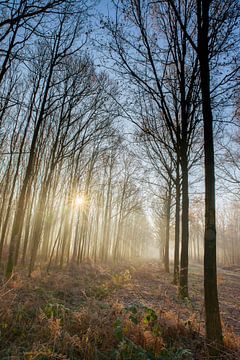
(119, 179)
(80, 200)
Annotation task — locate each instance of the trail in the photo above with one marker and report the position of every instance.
(220, 270)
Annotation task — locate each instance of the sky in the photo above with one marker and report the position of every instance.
(105, 8)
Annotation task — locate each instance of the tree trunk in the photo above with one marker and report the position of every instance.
(213, 322)
(167, 229)
(183, 281)
(26, 187)
(177, 229)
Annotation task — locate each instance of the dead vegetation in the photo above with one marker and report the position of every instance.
(105, 312)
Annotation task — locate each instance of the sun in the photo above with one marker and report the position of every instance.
(80, 200)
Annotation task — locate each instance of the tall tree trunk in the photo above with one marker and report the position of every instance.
(16, 174)
(65, 236)
(167, 229)
(26, 186)
(105, 233)
(37, 226)
(27, 231)
(213, 322)
(183, 280)
(177, 228)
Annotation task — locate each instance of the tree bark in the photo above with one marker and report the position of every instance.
(167, 229)
(213, 322)
(177, 229)
(183, 281)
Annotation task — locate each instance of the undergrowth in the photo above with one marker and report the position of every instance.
(85, 314)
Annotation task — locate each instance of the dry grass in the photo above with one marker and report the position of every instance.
(100, 312)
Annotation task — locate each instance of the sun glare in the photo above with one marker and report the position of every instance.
(80, 200)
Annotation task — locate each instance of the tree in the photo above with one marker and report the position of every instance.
(165, 74)
(216, 25)
(19, 21)
(57, 47)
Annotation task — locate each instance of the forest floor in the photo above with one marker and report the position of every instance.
(128, 311)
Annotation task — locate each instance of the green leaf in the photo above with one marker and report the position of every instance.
(134, 319)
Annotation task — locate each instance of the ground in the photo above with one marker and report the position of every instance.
(127, 311)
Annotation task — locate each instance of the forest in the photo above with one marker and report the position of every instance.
(119, 179)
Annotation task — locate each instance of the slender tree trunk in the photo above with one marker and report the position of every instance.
(26, 188)
(76, 237)
(177, 229)
(37, 226)
(167, 229)
(105, 239)
(27, 231)
(65, 236)
(183, 281)
(213, 322)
